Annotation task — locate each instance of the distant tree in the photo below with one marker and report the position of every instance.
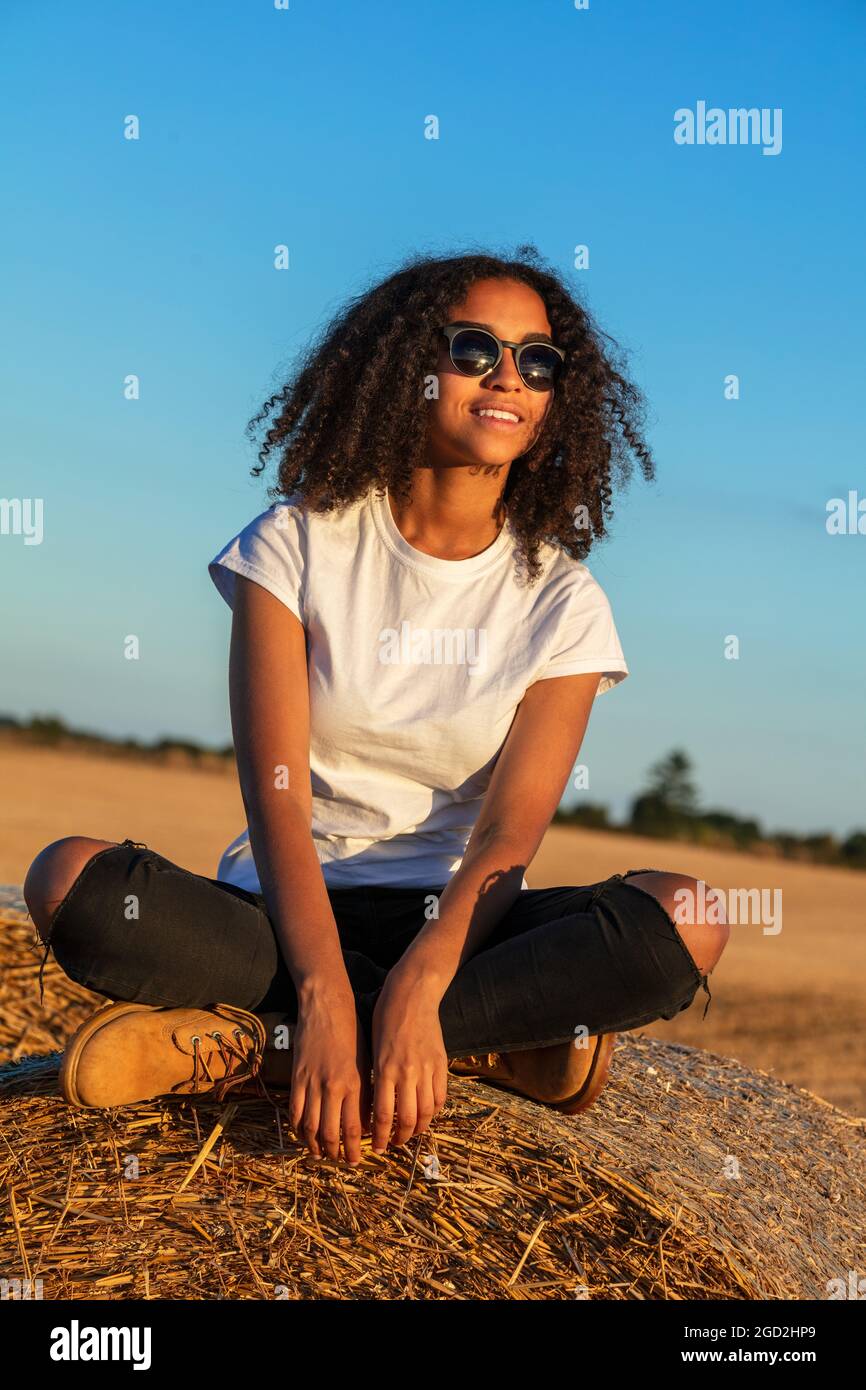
(669, 805)
(172, 745)
(853, 850)
(670, 781)
(821, 849)
(47, 729)
(741, 833)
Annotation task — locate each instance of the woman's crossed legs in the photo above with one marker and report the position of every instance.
(128, 923)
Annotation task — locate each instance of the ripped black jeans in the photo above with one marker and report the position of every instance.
(605, 956)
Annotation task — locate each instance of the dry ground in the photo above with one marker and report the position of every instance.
(793, 1003)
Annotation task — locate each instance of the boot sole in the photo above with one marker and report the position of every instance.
(68, 1077)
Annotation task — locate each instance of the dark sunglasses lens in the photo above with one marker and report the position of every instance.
(540, 367)
(473, 351)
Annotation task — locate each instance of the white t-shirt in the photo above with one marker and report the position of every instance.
(416, 667)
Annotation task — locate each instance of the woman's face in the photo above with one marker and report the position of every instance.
(458, 433)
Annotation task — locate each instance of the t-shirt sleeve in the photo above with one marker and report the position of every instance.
(584, 636)
(272, 551)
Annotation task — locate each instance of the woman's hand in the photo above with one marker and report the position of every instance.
(410, 1065)
(331, 1090)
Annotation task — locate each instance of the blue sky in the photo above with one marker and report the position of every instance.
(306, 127)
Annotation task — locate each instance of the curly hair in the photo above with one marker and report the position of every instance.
(348, 418)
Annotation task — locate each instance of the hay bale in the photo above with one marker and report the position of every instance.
(26, 1026)
(690, 1178)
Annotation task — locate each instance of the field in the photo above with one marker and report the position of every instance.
(791, 1003)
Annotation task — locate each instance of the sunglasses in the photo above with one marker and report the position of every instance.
(476, 351)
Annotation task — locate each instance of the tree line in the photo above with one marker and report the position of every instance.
(667, 809)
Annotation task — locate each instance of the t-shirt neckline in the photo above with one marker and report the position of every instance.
(455, 570)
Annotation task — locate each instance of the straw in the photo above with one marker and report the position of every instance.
(691, 1177)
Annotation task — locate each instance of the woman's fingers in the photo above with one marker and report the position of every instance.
(310, 1121)
(407, 1109)
(323, 1118)
(365, 1104)
(426, 1106)
(351, 1121)
(440, 1087)
(416, 1101)
(383, 1113)
(330, 1119)
(297, 1104)
(365, 1072)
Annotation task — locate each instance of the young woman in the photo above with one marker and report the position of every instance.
(416, 647)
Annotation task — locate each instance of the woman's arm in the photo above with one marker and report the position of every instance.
(270, 708)
(525, 789)
(269, 694)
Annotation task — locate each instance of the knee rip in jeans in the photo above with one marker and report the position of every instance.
(124, 844)
(621, 878)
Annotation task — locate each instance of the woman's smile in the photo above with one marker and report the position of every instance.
(496, 417)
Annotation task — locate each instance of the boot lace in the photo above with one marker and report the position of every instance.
(241, 1060)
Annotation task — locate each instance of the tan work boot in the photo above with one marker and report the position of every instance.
(129, 1052)
(565, 1077)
